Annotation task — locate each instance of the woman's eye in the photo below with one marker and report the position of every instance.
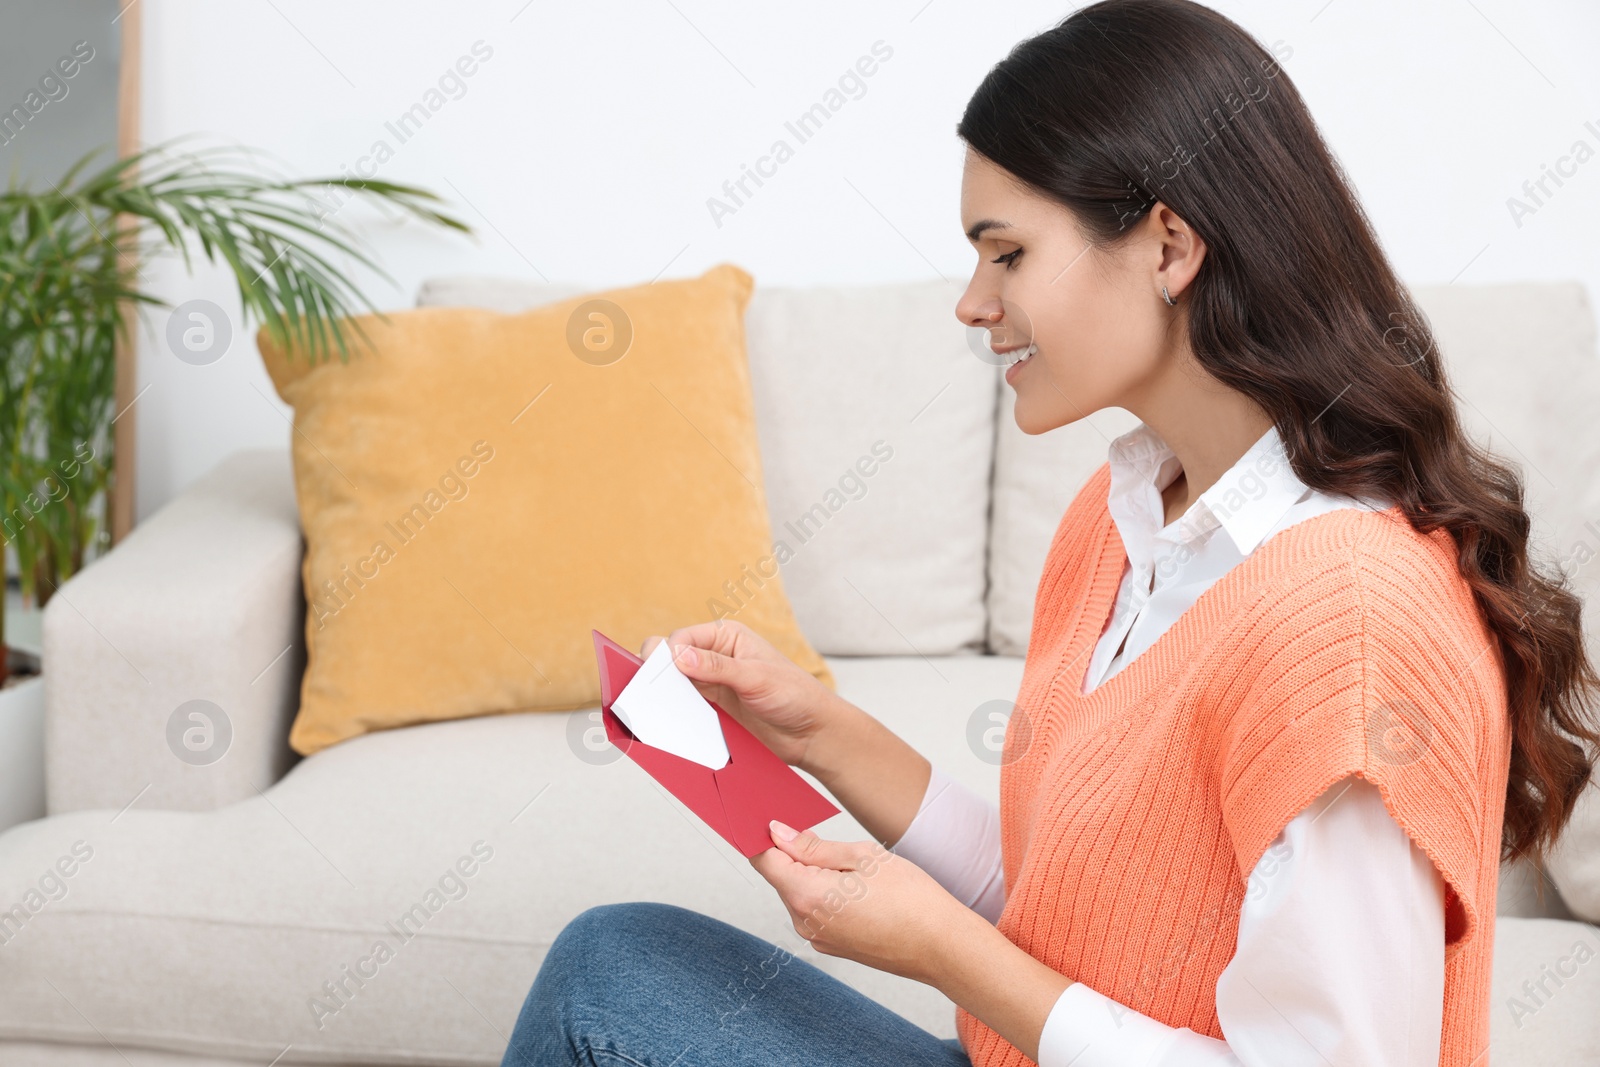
(1008, 259)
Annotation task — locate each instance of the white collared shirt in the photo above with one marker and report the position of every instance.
(1255, 498)
(1341, 899)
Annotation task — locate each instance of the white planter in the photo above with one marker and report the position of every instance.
(22, 752)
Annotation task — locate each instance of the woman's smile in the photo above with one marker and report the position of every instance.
(1025, 354)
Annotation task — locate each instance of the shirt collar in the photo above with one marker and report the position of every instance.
(1247, 501)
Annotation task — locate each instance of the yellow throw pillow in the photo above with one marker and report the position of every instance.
(480, 490)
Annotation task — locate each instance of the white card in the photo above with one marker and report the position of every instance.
(662, 708)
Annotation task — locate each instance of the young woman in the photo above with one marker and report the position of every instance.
(1293, 689)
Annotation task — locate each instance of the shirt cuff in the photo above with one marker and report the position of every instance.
(1086, 1029)
(955, 837)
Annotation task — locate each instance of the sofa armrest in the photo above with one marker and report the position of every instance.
(200, 602)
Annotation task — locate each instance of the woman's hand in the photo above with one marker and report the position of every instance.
(858, 900)
(870, 772)
(783, 705)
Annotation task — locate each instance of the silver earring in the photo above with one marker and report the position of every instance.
(1168, 297)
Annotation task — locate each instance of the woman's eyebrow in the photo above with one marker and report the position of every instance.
(986, 224)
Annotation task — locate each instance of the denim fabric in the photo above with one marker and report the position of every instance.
(655, 985)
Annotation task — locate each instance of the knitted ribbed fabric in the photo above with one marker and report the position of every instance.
(1132, 816)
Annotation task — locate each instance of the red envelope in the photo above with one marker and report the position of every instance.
(738, 799)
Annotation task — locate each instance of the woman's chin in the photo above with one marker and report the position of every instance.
(1036, 414)
(1033, 422)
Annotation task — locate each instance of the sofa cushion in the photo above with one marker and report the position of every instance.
(1574, 864)
(877, 425)
(1545, 1008)
(57, 1054)
(481, 490)
(463, 846)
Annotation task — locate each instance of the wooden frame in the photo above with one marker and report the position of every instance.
(120, 499)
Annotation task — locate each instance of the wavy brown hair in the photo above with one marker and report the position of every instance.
(1128, 102)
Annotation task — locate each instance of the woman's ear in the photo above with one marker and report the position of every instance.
(1182, 249)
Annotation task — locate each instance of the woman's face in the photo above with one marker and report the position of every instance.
(1097, 319)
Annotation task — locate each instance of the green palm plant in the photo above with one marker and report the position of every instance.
(67, 277)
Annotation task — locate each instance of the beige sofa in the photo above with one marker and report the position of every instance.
(171, 911)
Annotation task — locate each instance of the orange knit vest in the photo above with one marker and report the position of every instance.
(1132, 816)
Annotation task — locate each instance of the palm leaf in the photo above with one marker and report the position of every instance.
(66, 276)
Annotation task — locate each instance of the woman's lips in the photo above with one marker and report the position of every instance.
(1013, 368)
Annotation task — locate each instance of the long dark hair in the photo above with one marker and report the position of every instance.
(1296, 306)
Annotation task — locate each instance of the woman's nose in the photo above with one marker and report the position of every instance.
(981, 313)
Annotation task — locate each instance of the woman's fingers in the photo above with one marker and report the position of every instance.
(805, 870)
(808, 848)
(703, 662)
(716, 635)
(719, 635)
(730, 638)
(714, 668)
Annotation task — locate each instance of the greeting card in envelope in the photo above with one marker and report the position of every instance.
(699, 752)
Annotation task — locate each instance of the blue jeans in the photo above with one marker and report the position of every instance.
(655, 985)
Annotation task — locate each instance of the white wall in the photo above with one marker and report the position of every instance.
(586, 147)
